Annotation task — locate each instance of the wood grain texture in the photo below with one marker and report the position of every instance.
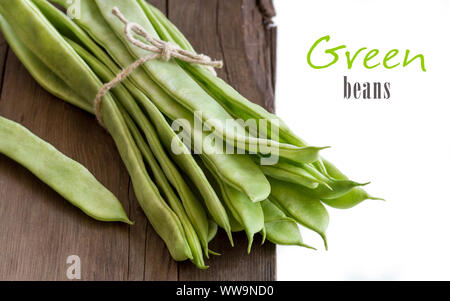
(235, 31)
(39, 230)
(3, 54)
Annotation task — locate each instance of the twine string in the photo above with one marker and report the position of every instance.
(159, 49)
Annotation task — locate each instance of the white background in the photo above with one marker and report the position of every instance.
(401, 145)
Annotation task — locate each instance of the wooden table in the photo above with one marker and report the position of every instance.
(39, 229)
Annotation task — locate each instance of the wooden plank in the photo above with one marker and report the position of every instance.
(236, 32)
(38, 228)
(160, 4)
(3, 55)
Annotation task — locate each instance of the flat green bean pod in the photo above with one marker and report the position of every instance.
(235, 225)
(292, 174)
(212, 228)
(37, 34)
(279, 228)
(39, 71)
(72, 31)
(274, 214)
(334, 189)
(66, 176)
(352, 198)
(307, 211)
(329, 187)
(245, 212)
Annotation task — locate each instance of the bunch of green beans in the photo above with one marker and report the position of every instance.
(187, 191)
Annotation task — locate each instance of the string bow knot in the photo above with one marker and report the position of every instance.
(158, 49)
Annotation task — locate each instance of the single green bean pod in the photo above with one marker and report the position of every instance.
(307, 211)
(67, 177)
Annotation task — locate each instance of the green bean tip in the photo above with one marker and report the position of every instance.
(129, 222)
(250, 243)
(263, 240)
(306, 246)
(323, 147)
(202, 267)
(325, 241)
(230, 238)
(214, 253)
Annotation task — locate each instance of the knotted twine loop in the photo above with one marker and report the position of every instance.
(159, 50)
